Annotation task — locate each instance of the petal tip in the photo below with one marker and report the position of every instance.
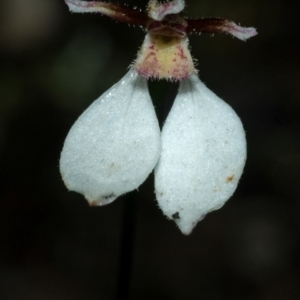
(186, 222)
(242, 33)
(102, 200)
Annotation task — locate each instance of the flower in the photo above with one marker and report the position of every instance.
(115, 144)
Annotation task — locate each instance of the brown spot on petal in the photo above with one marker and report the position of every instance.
(230, 178)
(94, 203)
(103, 201)
(176, 216)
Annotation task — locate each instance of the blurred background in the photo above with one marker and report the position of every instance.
(53, 64)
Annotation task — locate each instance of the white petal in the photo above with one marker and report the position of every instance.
(203, 155)
(115, 143)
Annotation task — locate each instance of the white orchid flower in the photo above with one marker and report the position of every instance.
(116, 143)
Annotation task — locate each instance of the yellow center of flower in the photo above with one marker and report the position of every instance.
(165, 57)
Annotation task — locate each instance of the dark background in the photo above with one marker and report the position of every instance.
(53, 64)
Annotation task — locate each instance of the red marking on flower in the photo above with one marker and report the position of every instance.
(166, 19)
(181, 53)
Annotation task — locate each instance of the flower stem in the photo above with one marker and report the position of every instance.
(126, 247)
